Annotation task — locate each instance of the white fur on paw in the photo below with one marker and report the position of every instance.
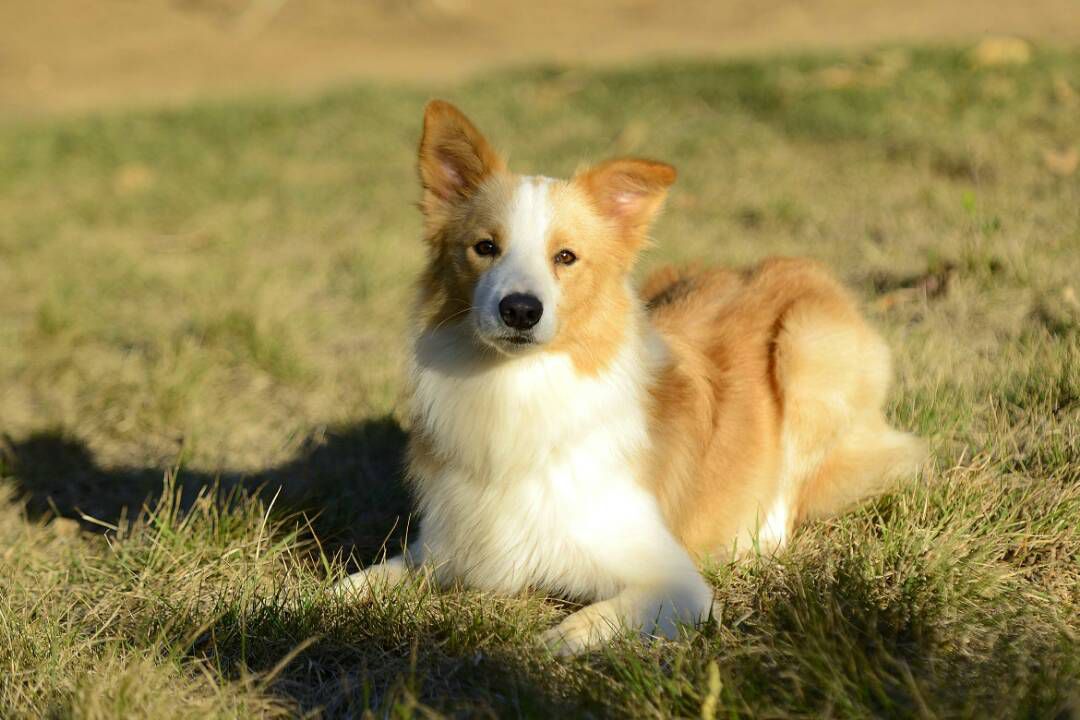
(355, 587)
(373, 579)
(687, 608)
(668, 623)
(579, 632)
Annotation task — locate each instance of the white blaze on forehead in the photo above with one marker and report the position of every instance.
(530, 217)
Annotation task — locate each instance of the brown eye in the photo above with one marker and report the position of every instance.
(486, 248)
(565, 257)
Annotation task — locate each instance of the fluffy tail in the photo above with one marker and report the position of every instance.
(864, 463)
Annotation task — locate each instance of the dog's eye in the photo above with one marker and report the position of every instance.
(486, 248)
(565, 257)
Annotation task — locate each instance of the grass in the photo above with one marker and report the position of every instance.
(203, 310)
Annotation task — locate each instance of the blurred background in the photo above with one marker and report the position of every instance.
(85, 54)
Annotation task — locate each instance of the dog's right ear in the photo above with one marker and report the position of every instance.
(454, 157)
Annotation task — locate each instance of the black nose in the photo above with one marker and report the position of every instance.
(520, 311)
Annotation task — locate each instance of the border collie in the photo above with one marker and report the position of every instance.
(576, 436)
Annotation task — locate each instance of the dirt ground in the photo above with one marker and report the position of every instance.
(73, 55)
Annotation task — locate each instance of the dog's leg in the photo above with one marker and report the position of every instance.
(380, 577)
(657, 611)
(662, 590)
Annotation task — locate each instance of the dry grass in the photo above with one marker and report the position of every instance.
(222, 289)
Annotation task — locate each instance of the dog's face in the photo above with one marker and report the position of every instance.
(530, 263)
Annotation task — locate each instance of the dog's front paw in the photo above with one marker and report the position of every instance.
(364, 584)
(581, 631)
(685, 606)
(650, 611)
(357, 586)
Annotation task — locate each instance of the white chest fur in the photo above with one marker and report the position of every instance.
(541, 465)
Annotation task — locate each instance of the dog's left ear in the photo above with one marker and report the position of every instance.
(454, 157)
(628, 191)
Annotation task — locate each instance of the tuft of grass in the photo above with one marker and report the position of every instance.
(201, 351)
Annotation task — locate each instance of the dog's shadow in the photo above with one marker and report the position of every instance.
(348, 481)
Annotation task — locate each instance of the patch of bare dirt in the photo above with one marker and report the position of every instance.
(82, 54)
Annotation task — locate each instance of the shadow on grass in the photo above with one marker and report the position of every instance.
(354, 656)
(349, 481)
(389, 659)
(388, 656)
(845, 650)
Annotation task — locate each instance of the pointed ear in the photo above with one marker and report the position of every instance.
(629, 191)
(454, 157)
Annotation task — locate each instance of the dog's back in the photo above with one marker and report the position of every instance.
(772, 411)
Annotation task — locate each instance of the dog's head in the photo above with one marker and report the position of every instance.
(530, 263)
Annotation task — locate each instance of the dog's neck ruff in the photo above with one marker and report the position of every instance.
(496, 416)
(536, 461)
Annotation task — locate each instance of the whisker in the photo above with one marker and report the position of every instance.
(451, 317)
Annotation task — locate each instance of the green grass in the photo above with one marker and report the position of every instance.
(220, 292)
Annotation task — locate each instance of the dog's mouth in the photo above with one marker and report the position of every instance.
(511, 344)
(509, 341)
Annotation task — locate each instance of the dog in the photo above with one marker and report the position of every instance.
(575, 437)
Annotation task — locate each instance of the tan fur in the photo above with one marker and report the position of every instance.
(776, 355)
